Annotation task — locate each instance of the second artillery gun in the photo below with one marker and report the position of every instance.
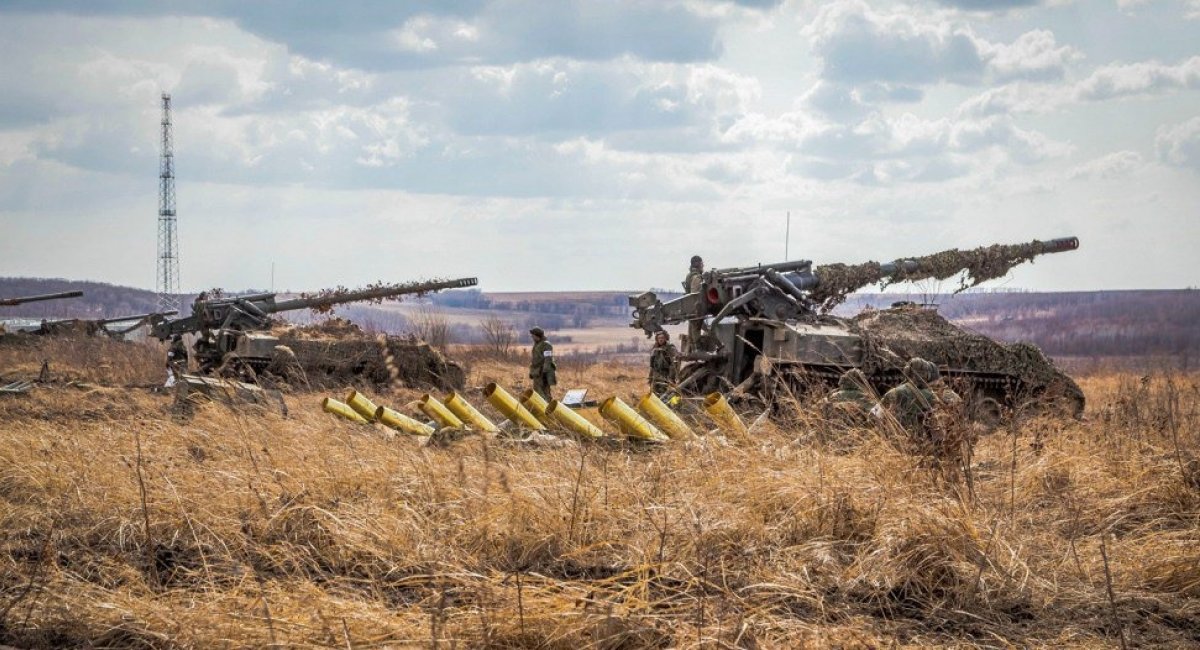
(768, 324)
(240, 336)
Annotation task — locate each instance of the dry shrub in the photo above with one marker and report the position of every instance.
(306, 531)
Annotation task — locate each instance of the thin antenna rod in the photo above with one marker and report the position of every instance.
(787, 237)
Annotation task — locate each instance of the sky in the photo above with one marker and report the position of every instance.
(598, 144)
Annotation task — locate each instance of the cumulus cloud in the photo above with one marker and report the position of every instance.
(859, 45)
(989, 5)
(1109, 166)
(388, 35)
(1143, 78)
(1179, 144)
(556, 97)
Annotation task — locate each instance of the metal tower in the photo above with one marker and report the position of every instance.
(168, 241)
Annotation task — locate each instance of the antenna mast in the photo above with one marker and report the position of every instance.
(167, 278)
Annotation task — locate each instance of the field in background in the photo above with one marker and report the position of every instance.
(242, 528)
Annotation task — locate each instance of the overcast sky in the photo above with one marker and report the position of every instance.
(597, 144)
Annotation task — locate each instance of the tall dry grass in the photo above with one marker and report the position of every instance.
(242, 528)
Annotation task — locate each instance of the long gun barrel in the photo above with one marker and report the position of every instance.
(337, 297)
(789, 290)
(12, 302)
(830, 284)
(253, 311)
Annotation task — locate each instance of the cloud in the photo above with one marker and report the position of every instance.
(858, 45)
(989, 5)
(1143, 78)
(1110, 82)
(1179, 145)
(386, 36)
(884, 150)
(562, 97)
(1109, 166)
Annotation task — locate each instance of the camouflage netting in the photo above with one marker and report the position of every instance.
(976, 266)
(924, 333)
(330, 298)
(337, 353)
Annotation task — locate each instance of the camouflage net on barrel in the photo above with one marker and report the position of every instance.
(339, 293)
(976, 266)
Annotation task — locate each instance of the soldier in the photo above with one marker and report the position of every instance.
(852, 401)
(662, 364)
(177, 357)
(541, 364)
(205, 349)
(693, 283)
(913, 402)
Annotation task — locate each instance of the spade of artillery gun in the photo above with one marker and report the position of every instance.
(13, 302)
(239, 335)
(770, 323)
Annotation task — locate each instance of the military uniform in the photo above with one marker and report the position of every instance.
(852, 401)
(694, 283)
(662, 368)
(913, 403)
(541, 364)
(177, 358)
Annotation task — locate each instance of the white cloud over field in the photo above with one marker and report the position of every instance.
(596, 144)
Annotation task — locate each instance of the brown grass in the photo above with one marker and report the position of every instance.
(308, 532)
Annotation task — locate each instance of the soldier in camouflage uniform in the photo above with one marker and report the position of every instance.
(177, 357)
(662, 364)
(852, 401)
(693, 283)
(915, 402)
(541, 364)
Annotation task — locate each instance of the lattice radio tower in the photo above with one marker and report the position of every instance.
(168, 240)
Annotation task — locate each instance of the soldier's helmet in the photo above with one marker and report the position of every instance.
(853, 379)
(922, 370)
(537, 331)
(697, 262)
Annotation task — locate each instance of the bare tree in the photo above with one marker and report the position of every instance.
(430, 325)
(498, 336)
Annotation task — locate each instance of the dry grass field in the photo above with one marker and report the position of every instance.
(122, 527)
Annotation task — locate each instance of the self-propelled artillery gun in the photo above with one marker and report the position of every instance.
(242, 336)
(767, 324)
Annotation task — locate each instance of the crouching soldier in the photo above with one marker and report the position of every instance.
(852, 401)
(916, 403)
(541, 364)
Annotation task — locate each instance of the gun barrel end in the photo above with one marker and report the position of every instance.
(1062, 245)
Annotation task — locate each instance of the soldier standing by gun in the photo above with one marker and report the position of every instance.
(693, 283)
(541, 364)
(177, 359)
(662, 364)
